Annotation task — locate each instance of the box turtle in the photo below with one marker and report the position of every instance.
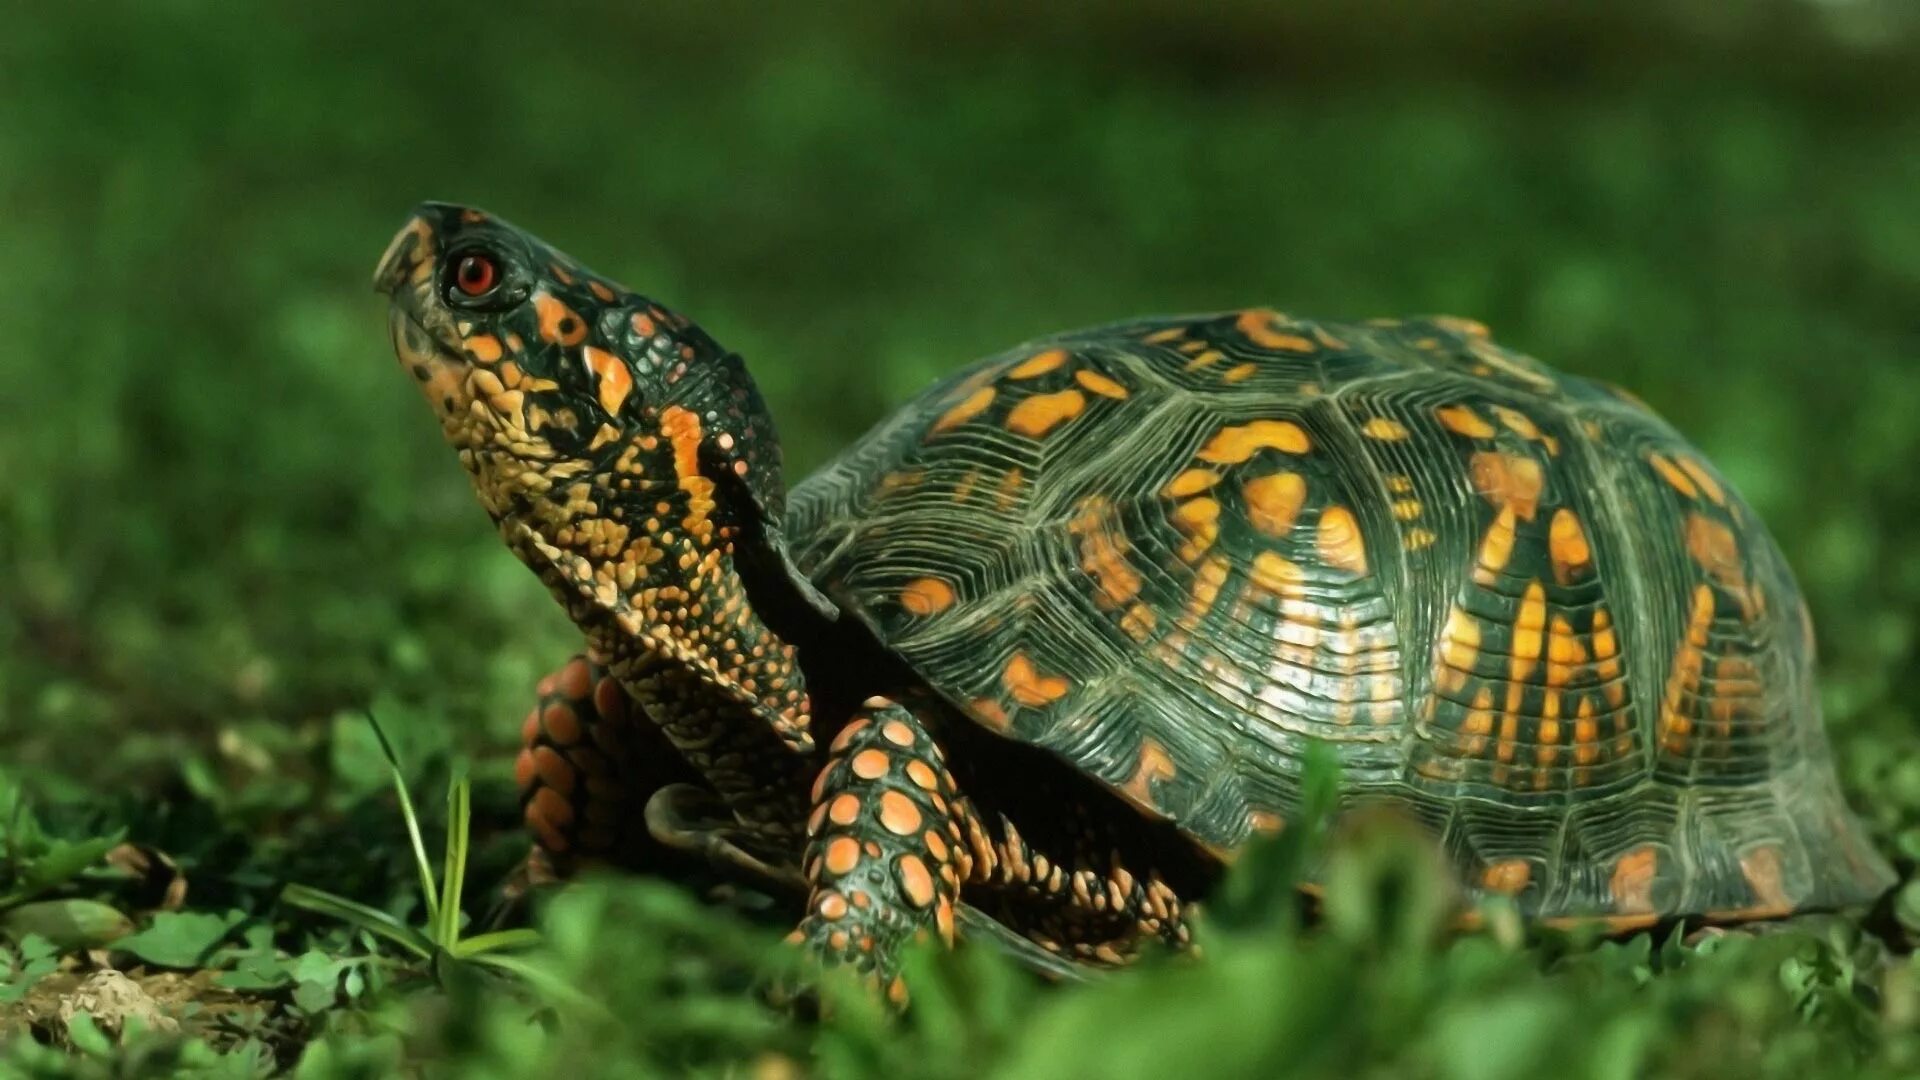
(1043, 649)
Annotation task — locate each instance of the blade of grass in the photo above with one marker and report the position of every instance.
(454, 859)
(550, 986)
(495, 941)
(370, 919)
(412, 819)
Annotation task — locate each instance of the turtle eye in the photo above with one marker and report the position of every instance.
(475, 274)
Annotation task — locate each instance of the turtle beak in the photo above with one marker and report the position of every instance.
(409, 257)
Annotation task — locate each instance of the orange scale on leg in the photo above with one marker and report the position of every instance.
(554, 771)
(847, 735)
(576, 679)
(524, 769)
(561, 723)
(610, 699)
(530, 727)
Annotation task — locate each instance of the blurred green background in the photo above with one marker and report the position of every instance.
(226, 522)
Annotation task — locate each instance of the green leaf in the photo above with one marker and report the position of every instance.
(454, 860)
(412, 819)
(67, 924)
(496, 941)
(180, 939)
(370, 919)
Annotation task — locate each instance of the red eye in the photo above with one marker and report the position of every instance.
(475, 275)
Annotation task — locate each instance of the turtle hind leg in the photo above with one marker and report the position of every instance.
(590, 759)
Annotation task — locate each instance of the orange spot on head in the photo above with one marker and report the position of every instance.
(1274, 500)
(1462, 420)
(1097, 383)
(1264, 327)
(964, 410)
(1231, 445)
(1041, 413)
(1029, 687)
(614, 381)
(484, 348)
(1340, 542)
(600, 291)
(926, 596)
(1039, 364)
(558, 322)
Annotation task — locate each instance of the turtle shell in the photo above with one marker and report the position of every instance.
(1181, 553)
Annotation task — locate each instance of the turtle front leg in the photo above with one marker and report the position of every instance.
(885, 853)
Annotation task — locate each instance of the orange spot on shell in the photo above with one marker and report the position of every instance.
(1761, 867)
(1339, 540)
(1704, 479)
(613, 381)
(1190, 482)
(1385, 429)
(1632, 883)
(558, 322)
(1097, 383)
(1508, 480)
(990, 713)
(898, 814)
(1508, 877)
(1274, 500)
(1567, 544)
(1262, 326)
(926, 596)
(1039, 364)
(1673, 475)
(964, 410)
(1231, 445)
(1041, 413)
(843, 854)
(1239, 373)
(1155, 764)
(1462, 420)
(1029, 687)
(915, 880)
(1516, 421)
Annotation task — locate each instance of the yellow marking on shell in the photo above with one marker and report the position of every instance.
(1529, 639)
(1674, 475)
(1508, 480)
(1385, 429)
(1339, 540)
(1406, 509)
(1139, 621)
(1162, 337)
(1459, 648)
(1274, 500)
(1565, 653)
(1208, 578)
(1478, 723)
(1700, 476)
(558, 322)
(1683, 682)
(1029, 687)
(1516, 421)
(1232, 445)
(613, 381)
(1190, 482)
(1631, 885)
(1496, 548)
(1462, 420)
(1262, 326)
(1039, 364)
(1097, 383)
(1103, 554)
(1274, 574)
(1717, 550)
(1008, 491)
(1200, 520)
(1154, 764)
(990, 713)
(1206, 358)
(1041, 413)
(926, 596)
(1400, 483)
(1465, 327)
(964, 410)
(1508, 877)
(1419, 539)
(1568, 547)
(1761, 867)
(1239, 373)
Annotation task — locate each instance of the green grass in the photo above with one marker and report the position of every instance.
(227, 527)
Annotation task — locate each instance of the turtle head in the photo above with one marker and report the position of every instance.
(546, 376)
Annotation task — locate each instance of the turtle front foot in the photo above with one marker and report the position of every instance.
(883, 842)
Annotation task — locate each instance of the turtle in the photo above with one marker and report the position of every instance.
(1047, 647)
